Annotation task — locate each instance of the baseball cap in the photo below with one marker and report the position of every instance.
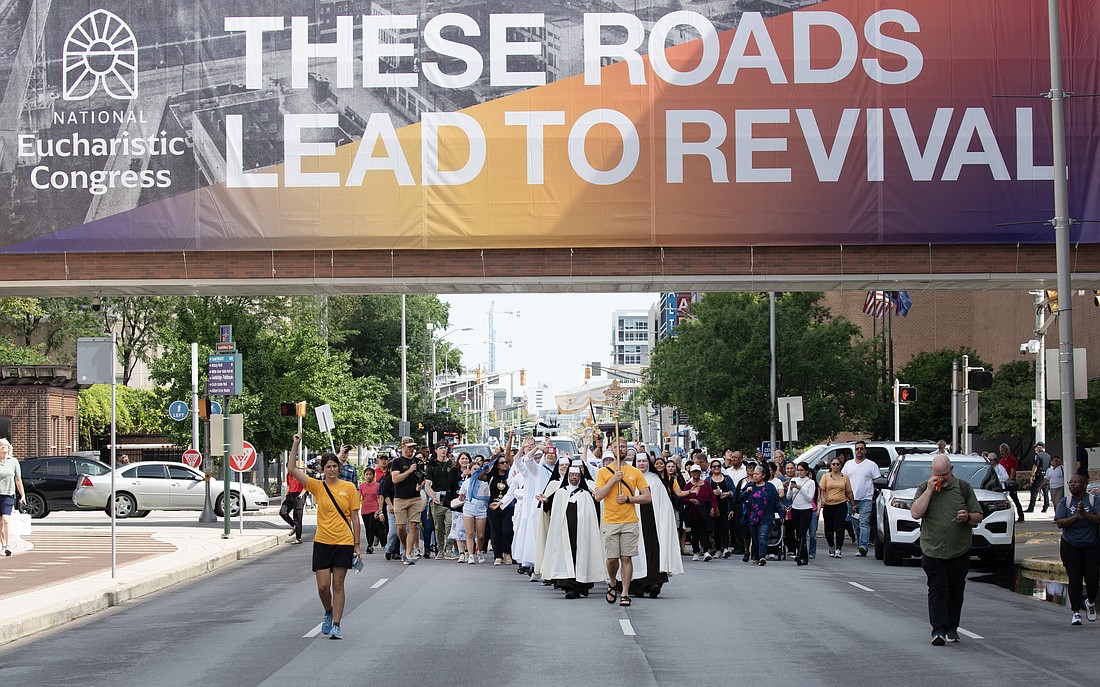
(1041, 443)
(408, 441)
(695, 468)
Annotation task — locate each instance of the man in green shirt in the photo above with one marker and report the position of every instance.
(948, 511)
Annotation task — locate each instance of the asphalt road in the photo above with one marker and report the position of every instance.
(443, 623)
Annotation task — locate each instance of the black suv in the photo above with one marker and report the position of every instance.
(50, 481)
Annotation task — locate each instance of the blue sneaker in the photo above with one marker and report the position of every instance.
(336, 634)
(326, 624)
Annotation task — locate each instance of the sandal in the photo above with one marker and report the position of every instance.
(611, 595)
(625, 601)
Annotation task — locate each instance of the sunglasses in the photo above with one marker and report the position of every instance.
(835, 464)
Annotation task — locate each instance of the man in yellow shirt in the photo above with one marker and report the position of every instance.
(619, 487)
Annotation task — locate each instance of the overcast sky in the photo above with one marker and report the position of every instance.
(554, 336)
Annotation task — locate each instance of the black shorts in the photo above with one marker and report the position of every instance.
(329, 556)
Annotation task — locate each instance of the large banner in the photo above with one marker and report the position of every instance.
(447, 124)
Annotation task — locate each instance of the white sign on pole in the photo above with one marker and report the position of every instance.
(1080, 375)
(324, 418)
(95, 362)
(790, 414)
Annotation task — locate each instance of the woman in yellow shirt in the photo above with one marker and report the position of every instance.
(336, 542)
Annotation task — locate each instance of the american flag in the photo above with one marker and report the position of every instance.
(876, 303)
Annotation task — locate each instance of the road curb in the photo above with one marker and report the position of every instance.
(25, 625)
(1047, 566)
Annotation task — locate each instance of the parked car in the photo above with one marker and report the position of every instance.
(883, 453)
(162, 485)
(897, 533)
(50, 480)
(472, 449)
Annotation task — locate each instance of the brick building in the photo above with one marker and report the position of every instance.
(38, 409)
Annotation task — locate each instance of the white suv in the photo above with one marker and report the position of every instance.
(897, 532)
(882, 453)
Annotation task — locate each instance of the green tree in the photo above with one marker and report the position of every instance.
(368, 328)
(50, 325)
(1005, 409)
(137, 322)
(1088, 419)
(930, 373)
(717, 368)
(136, 411)
(284, 358)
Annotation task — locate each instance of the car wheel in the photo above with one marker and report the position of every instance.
(879, 548)
(142, 513)
(36, 505)
(889, 556)
(125, 505)
(1007, 559)
(234, 505)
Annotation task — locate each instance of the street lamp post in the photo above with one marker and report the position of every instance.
(435, 341)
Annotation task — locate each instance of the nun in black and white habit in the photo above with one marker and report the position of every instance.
(574, 555)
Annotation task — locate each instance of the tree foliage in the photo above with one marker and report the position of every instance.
(49, 326)
(137, 322)
(717, 368)
(136, 411)
(284, 358)
(930, 373)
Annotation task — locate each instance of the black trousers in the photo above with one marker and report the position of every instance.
(500, 530)
(946, 583)
(699, 536)
(1036, 487)
(292, 511)
(1081, 562)
(834, 524)
(375, 530)
(720, 526)
(800, 525)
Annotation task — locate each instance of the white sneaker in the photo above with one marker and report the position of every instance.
(472, 559)
(481, 558)
(461, 558)
(838, 554)
(1076, 619)
(707, 556)
(694, 556)
(1090, 611)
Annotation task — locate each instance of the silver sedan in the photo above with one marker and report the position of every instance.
(162, 485)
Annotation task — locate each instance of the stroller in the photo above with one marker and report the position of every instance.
(776, 543)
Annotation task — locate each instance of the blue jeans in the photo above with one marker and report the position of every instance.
(864, 509)
(393, 546)
(813, 533)
(759, 536)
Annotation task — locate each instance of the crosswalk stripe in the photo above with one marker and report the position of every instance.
(313, 633)
(380, 582)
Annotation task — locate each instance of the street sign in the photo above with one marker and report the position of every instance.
(790, 414)
(225, 347)
(192, 457)
(215, 408)
(766, 450)
(224, 375)
(178, 410)
(246, 462)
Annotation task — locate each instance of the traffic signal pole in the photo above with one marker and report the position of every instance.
(897, 410)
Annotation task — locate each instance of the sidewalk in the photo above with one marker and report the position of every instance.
(74, 563)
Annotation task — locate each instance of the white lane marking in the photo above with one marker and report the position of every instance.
(380, 582)
(313, 633)
(970, 634)
(857, 585)
(628, 629)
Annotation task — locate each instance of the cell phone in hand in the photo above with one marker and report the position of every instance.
(357, 563)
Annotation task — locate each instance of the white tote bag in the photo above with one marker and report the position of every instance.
(20, 524)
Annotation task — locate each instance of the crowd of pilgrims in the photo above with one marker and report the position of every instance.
(534, 508)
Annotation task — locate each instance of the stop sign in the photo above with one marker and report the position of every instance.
(192, 457)
(244, 463)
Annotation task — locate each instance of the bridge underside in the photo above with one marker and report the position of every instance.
(577, 270)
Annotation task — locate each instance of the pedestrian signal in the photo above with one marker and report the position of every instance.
(288, 409)
(907, 394)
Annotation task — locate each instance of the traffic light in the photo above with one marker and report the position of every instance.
(907, 394)
(981, 379)
(288, 409)
(1052, 300)
(204, 408)
(479, 374)
(523, 377)
(300, 407)
(587, 373)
